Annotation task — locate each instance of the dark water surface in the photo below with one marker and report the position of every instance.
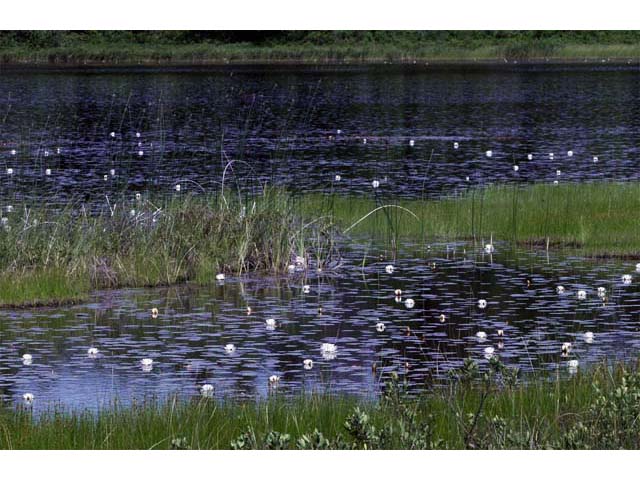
(285, 122)
(344, 307)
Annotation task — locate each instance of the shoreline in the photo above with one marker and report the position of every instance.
(384, 55)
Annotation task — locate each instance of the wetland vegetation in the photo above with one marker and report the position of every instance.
(202, 47)
(477, 410)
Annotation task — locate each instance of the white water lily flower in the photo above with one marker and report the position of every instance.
(58, 150)
(112, 134)
(93, 352)
(306, 289)
(595, 159)
(481, 335)
(291, 269)
(555, 182)
(558, 173)
(412, 143)
(551, 156)
(566, 348)
(573, 363)
(380, 327)
(456, 145)
(389, 269)
(47, 172)
(9, 208)
(338, 178)
(516, 168)
(626, 279)
(570, 153)
(530, 156)
(443, 318)
(137, 134)
(271, 322)
(307, 364)
(501, 333)
(602, 292)
(329, 347)
(27, 359)
(178, 187)
(105, 177)
(220, 277)
(364, 141)
(13, 152)
(489, 248)
(9, 171)
(274, 379)
(339, 132)
(147, 364)
(588, 337)
(482, 303)
(140, 153)
(489, 352)
(397, 292)
(112, 172)
(375, 184)
(28, 398)
(154, 312)
(409, 303)
(138, 196)
(582, 294)
(560, 289)
(467, 178)
(489, 153)
(229, 348)
(206, 390)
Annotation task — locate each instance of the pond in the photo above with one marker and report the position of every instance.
(300, 127)
(78, 135)
(353, 307)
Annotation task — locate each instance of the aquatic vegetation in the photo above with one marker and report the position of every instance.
(604, 224)
(206, 390)
(477, 410)
(51, 257)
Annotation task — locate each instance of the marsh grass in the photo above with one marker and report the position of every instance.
(332, 51)
(49, 256)
(597, 219)
(596, 409)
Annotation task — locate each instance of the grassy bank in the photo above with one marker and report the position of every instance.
(598, 219)
(185, 47)
(48, 256)
(490, 410)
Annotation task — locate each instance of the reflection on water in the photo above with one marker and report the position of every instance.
(169, 126)
(526, 321)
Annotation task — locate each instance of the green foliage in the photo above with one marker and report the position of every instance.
(598, 218)
(598, 409)
(48, 256)
(220, 46)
